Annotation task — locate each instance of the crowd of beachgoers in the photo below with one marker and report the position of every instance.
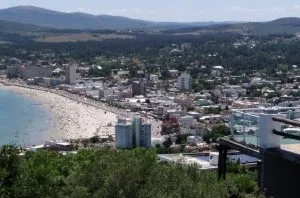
(75, 116)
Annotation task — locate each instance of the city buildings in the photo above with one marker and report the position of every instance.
(31, 72)
(184, 82)
(12, 71)
(70, 74)
(133, 133)
(139, 87)
(26, 72)
(153, 78)
(173, 73)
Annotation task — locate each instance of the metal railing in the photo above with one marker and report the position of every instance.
(244, 123)
(289, 122)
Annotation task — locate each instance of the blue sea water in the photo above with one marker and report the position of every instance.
(23, 121)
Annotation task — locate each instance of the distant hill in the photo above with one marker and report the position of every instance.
(18, 19)
(53, 19)
(60, 20)
(13, 27)
(289, 25)
(288, 21)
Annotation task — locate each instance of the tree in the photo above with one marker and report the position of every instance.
(148, 101)
(42, 174)
(217, 132)
(9, 170)
(167, 143)
(190, 108)
(112, 173)
(212, 110)
(133, 71)
(181, 139)
(165, 74)
(226, 108)
(94, 139)
(197, 87)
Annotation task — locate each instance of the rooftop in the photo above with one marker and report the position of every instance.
(203, 159)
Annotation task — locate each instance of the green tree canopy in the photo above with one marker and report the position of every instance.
(111, 173)
(216, 132)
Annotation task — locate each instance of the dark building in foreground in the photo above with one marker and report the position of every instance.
(279, 165)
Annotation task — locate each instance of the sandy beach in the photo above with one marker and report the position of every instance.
(71, 119)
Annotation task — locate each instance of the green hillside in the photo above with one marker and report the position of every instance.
(13, 27)
(280, 26)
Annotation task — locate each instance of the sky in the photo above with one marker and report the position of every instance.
(174, 10)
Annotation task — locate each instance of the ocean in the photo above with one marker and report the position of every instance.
(23, 121)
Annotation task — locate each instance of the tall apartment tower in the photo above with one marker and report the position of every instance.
(145, 135)
(133, 134)
(184, 82)
(70, 74)
(139, 87)
(124, 134)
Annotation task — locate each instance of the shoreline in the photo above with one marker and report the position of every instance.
(70, 119)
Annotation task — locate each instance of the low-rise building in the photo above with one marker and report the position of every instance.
(153, 78)
(194, 114)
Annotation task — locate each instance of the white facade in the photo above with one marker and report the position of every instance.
(133, 134)
(267, 138)
(153, 78)
(184, 82)
(186, 121)
(174, 112)
(142, 133)
(71, 74)
(124, 135)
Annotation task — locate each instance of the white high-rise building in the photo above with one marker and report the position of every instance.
(137, 121)
(124, 134)
(184, 82)
(145, 135)
(70, 74)
(133, 134)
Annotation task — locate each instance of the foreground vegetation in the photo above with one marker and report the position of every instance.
(112, 173)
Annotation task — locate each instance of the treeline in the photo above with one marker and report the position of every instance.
(85, 50)
(112, 173)
(73, 31)
(259, 52)
(14, 38)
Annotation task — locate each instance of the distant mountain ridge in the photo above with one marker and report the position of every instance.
(288, 21)
(288, 25)
(30, 18)
(76, 20)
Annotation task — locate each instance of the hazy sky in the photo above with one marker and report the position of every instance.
(174, 10)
